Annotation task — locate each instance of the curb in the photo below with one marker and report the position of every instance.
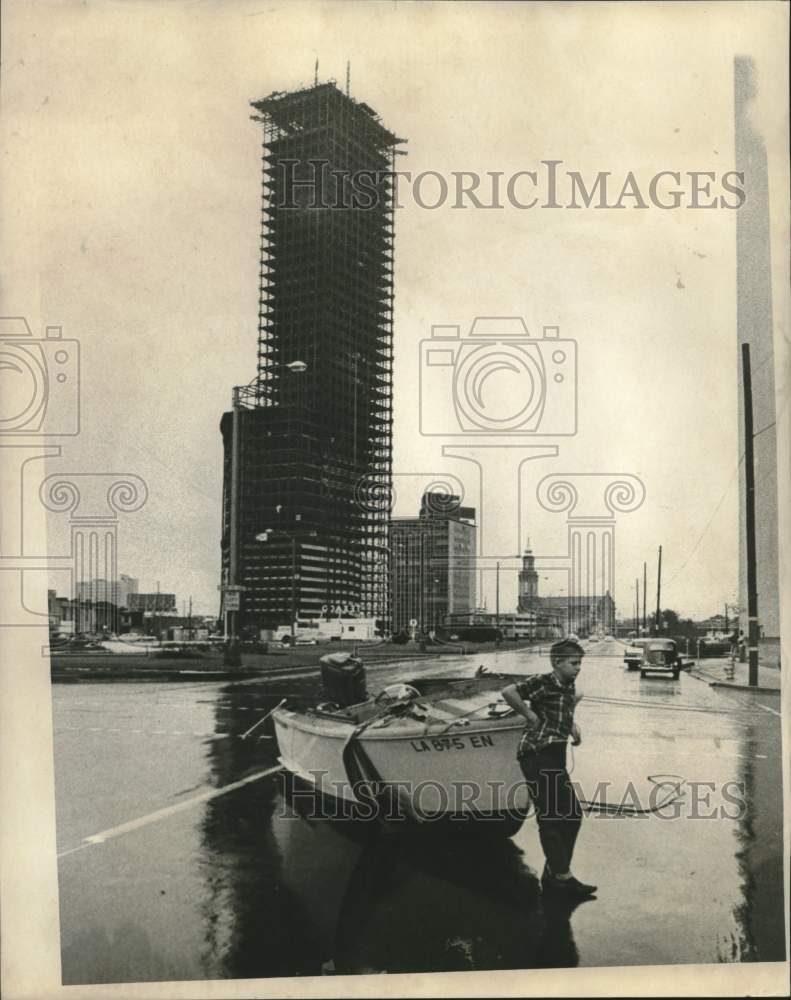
(77, 676)
(714, 681)
(743, 687)
(208, 676)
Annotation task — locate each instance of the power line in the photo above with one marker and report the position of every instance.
(710, 520)
(764, 429)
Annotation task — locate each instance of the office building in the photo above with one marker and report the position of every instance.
(432, 563)
(755, 327)
(115, 592)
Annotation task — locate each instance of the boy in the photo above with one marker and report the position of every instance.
(547, 703)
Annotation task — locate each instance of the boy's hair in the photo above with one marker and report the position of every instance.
(563, 648)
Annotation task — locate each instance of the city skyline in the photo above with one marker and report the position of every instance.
(590, 222)
(667, 308)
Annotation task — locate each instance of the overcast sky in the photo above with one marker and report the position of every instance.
(131, 218)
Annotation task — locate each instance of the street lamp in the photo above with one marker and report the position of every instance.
(264, 537)
(567, 615)
(497, 589)
(383, 579)
(435, 600)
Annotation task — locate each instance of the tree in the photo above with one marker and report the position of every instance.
(672, 624)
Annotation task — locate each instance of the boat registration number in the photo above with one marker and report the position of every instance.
(439, 743)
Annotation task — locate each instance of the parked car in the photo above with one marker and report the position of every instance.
(633, 655)
(660, 656)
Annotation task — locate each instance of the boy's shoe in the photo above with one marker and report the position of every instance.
(582, 888)
(570, 885)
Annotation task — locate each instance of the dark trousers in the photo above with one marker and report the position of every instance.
(558, 811)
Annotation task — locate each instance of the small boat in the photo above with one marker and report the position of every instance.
(427, 750)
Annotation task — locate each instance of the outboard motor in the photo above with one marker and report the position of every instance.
(343, 679)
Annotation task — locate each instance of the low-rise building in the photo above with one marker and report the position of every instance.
(512, 624)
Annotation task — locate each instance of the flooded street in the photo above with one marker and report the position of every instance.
(183, 854)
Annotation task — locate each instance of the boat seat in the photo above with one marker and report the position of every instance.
(364, 711)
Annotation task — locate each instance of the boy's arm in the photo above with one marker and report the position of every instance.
(512, 698)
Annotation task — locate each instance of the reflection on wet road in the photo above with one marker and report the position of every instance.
(183, 854)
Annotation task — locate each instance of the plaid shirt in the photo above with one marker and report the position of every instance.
(553, 703)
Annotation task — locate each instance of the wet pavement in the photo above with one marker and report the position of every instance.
(183, 856)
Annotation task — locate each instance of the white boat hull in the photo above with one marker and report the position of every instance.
(468, 770)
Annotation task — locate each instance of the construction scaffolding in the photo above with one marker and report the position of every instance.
(316, 447)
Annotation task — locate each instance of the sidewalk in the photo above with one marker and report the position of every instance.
(716, 671)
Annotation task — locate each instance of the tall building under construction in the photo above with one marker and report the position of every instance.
(308, 444)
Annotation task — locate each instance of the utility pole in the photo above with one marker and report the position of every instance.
(422, 578)
(637, 605)
(749, 482)
(232, 620)
(645, 589)
(294, 591)
(497, 596)
(658, 591)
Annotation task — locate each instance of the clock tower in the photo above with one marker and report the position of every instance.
(528, 581)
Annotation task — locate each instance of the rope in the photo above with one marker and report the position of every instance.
(257, 724)
(466, 715)
(610, 809)
(630, 702)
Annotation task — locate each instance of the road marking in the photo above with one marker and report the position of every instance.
(160, 814)
(753, 704)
